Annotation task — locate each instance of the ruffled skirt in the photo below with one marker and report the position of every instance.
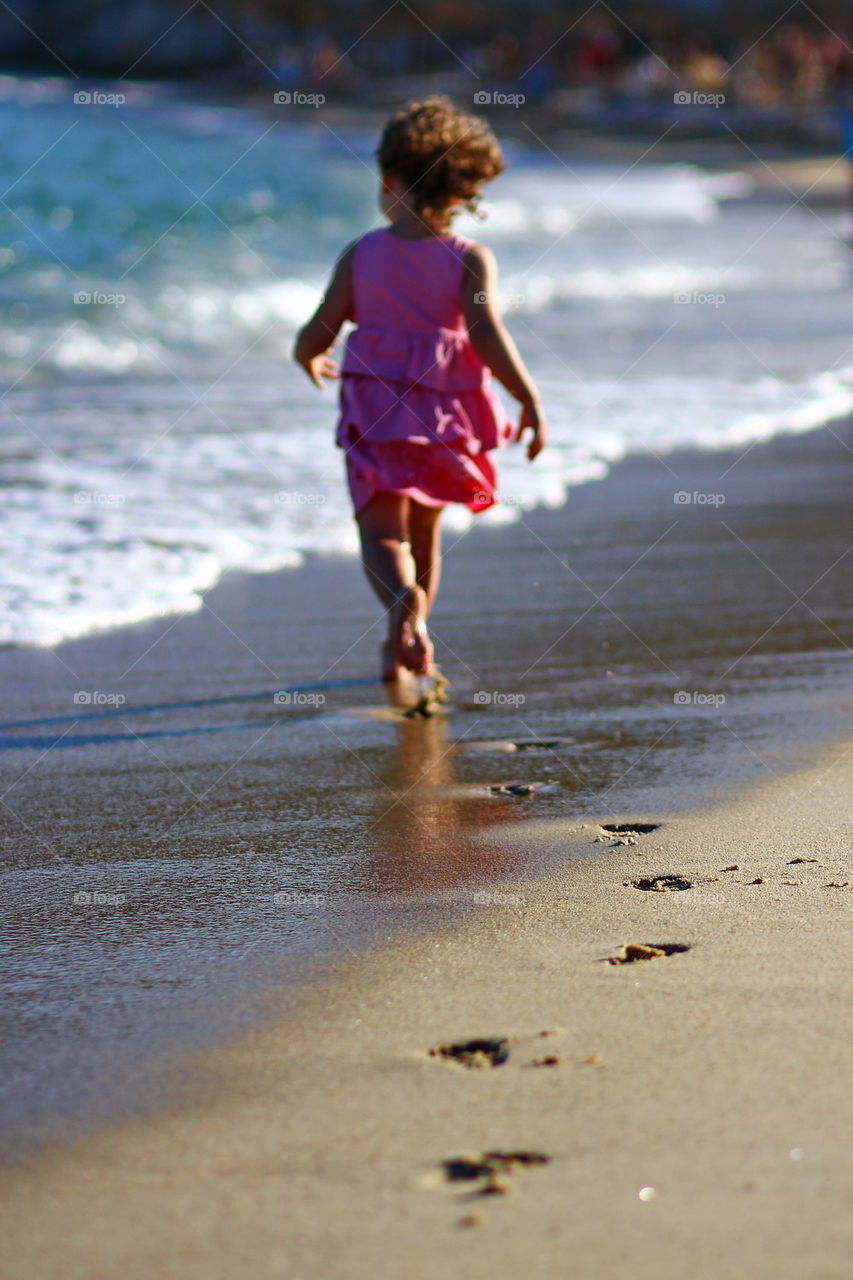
(432, 474)
(431, 446)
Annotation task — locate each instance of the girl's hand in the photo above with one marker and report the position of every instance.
(532, 419)
(320, 367)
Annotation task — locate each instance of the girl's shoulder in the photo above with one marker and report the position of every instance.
(384, 239)
(375, 236)
(473, 254)
(370, 239)
(461, 246)
(467, 251)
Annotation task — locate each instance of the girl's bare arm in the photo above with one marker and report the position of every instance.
(495, 347)
(316, 338)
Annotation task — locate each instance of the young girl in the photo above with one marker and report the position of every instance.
(418, 415)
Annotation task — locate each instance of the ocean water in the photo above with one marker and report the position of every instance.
(157, 257)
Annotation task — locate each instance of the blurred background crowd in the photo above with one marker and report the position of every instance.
(788, 61)
(595, 57)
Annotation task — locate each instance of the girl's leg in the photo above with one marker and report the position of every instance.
(425, 534)
(390, 568)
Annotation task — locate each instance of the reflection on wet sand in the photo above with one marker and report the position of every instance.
(424, 821)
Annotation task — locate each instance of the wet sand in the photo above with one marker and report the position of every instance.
(683, 665)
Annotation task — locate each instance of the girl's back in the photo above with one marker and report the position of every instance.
(408, 284)
(410, 331)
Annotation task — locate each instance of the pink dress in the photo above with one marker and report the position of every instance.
(418, 412)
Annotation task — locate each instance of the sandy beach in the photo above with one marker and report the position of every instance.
(639, 660)
(692, 1109)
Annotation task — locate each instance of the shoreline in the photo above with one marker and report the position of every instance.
(173, 567)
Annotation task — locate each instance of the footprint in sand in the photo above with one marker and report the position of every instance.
(483, 1052)
(620, 833)
(475, 1054)
(523, 745)
(634, 951)
(630, 828)
(492, 1171)
(660, 884)
(516, 788)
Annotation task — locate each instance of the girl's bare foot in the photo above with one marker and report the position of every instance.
(412, 643)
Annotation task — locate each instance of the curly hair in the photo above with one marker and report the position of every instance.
(440, 154)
